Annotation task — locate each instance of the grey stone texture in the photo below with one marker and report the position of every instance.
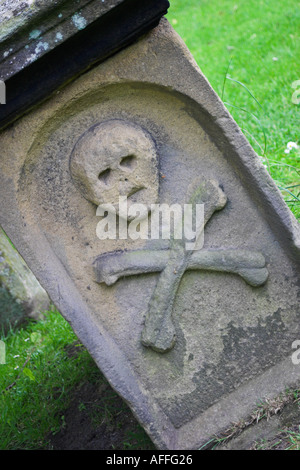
(235, 304)
(21, 295)
(266, 432)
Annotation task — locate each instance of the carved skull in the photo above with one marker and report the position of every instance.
(114, 159)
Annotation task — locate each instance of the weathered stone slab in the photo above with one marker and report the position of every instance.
(21, 295)
(44, 44)
(192, 340)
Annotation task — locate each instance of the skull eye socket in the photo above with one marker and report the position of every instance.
(105, 176)
(128, 162)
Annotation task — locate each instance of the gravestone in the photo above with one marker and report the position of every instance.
(191, 332)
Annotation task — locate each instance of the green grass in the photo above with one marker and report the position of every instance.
(249, 51)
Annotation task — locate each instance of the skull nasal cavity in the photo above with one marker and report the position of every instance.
(128, 162)
(105, 176)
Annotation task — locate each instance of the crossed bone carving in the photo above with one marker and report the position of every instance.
(159, 331)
